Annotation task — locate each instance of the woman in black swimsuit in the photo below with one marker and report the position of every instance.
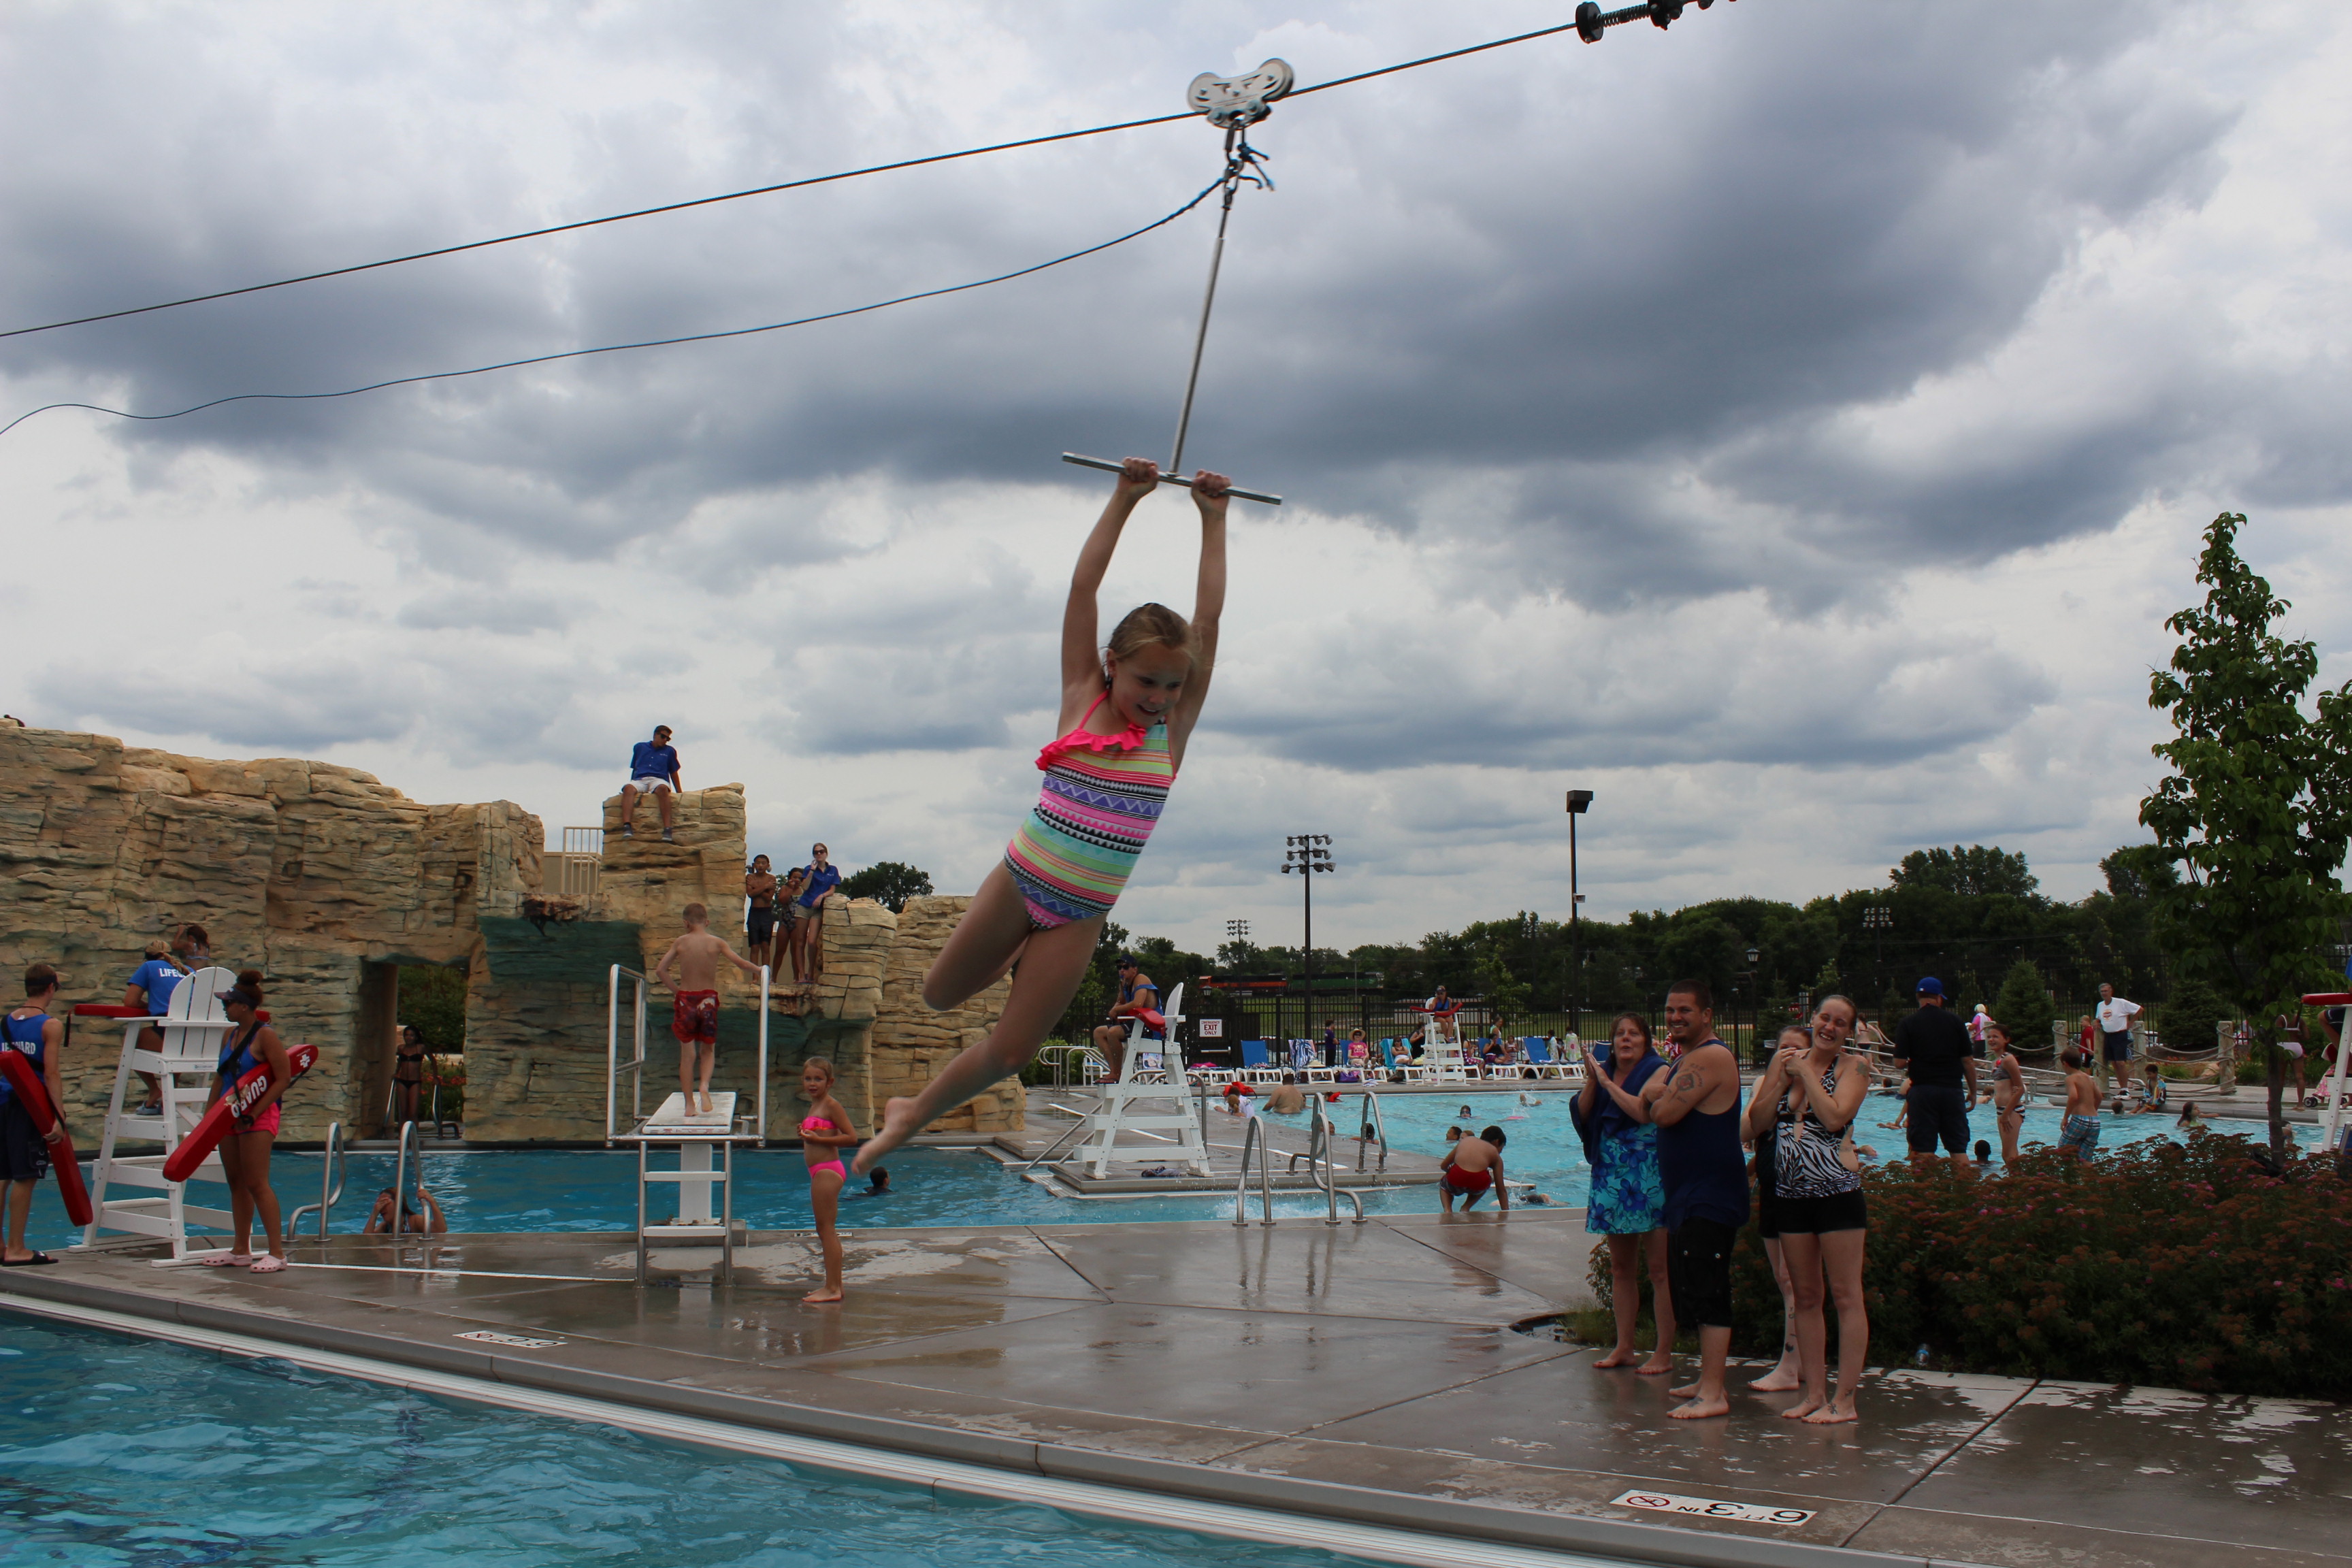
(408, 1072)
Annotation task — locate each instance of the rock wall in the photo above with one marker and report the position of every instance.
(327, 880)
(911, 1043)
(309, 871)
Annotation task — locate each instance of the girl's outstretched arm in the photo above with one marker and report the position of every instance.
(1208, 608)
(1082, 671)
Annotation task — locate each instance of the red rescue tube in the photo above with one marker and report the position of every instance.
(107, 1010)
(213, 1125)
(35, 1096)
(1155, 1022)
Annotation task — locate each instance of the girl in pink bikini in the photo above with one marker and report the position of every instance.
(1127, 712)
(825, 1133)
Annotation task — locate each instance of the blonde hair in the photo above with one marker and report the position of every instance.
(824, 1065)
(695, 914)
(1145, 625)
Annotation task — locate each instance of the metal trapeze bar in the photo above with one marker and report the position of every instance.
(1169, 479)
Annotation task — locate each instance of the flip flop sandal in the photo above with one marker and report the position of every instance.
(266, 1264)
(226, 1260)
(33, 1262)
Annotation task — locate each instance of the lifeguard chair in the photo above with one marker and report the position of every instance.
(1442, 1043)
(193, 1024)
(1145, 1076)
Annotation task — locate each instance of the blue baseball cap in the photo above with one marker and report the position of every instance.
(1931, 986)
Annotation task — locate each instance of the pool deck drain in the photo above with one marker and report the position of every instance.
(1368, 1372)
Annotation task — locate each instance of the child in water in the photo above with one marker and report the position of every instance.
(825, 1131)
(1128, 709)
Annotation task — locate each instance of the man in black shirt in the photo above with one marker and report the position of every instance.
(1933, 1046)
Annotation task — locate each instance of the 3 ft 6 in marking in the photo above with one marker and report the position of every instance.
(1708, 1508)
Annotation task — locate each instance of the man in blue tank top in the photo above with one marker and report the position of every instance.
(1703, 1170)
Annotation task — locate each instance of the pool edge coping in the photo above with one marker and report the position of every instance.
(1431, 1517)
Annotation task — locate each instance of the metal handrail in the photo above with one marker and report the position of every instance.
(1252, 1137)
(331, 1183)
(1371, 1109)
(635, 1064)
(1075, 1128)
(1059, 1057)
(400, 1177)
(1324, 1172)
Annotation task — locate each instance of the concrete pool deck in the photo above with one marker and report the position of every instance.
(1369, 1373)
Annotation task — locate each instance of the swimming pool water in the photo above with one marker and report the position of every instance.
(561, 1189)
(121, 1453)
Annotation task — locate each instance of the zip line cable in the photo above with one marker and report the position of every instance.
(645, 344)
(1587, 26)
(590, 223)
(1588, 21)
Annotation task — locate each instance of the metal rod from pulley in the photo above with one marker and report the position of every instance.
(1234, 104)
(1208, 302)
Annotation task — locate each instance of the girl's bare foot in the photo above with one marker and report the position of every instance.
(1700, 1409)
(897, 1126)
(1837, 1412)
(1804, 1408)
(1687, 1390)
(1779, 1380)
(1624, 1356)
(820, 1297)
(1660, 1363)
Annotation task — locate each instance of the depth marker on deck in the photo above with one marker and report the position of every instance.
(1710, 1508)
(513, 1341)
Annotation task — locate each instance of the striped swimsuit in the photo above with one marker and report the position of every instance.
(1103, 794)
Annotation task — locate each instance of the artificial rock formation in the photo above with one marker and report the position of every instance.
(328, 881)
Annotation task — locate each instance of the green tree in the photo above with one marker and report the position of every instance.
(2257, 809)
(433, 998)
(2024, 1008)
(888, 883)
(1973, 872)
(2187, 1017)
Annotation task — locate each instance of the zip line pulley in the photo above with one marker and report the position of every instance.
(1232, 104)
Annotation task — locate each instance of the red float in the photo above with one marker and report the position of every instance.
(213, 1125)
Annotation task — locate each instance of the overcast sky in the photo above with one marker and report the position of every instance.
(1794, 426)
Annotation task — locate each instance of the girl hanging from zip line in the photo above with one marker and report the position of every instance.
(1128, 709)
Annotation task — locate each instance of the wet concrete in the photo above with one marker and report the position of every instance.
(1380, 1357)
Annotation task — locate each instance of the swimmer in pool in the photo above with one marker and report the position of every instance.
(826, 1132)
(1473, 1168)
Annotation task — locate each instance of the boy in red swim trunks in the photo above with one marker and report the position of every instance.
(1474, 1168)
(694, 1015)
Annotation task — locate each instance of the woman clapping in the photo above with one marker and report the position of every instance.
(1806, 1101)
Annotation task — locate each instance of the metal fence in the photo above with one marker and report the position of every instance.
(571, 872)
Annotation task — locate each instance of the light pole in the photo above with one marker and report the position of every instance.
(1755, 1011)
(1307, 855)
(1237, 933)
(1878, 920)
(1580, 800)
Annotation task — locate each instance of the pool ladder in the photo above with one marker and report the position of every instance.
(1320, 1169)
(331, 1180)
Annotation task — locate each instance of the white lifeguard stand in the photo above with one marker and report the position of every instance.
(1145, 1075)
(699, 1138)
(1441, 1042)
(193, 1025)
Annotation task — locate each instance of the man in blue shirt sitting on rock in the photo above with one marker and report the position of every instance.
(652, 770)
